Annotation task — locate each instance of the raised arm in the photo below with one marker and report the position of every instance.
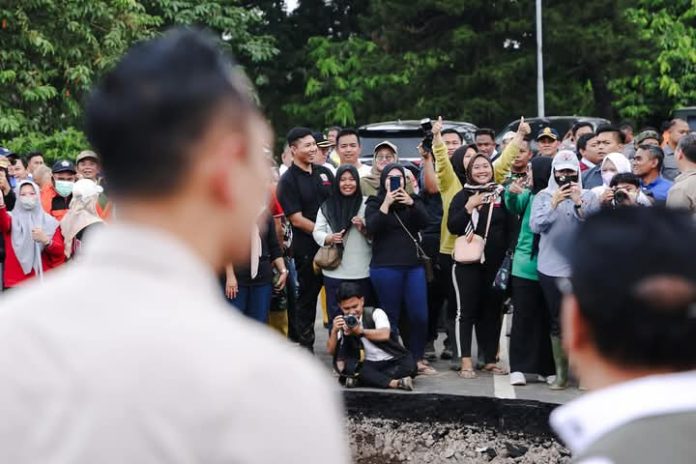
(503, 165)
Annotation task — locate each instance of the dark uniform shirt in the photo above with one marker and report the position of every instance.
(302, 192)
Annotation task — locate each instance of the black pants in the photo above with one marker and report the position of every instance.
(379, 373)
(446, 263)
(308, 292)
(439, 287)
(554, 298)
(530, 345)
(479, 306)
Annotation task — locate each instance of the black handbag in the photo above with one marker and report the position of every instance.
(422, 256)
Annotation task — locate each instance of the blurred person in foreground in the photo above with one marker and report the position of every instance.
(683, 192)
(366, 352)
(82, 218)
(630, 338)
(135, 338)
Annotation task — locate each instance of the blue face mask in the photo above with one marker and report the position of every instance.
(64, 187)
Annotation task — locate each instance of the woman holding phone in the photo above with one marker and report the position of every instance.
(556, 214)
(393, 219)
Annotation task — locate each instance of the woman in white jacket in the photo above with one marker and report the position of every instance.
(341, 221)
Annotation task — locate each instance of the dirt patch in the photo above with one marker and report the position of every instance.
(386, 441)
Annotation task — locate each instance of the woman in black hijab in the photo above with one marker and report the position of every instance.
(530, 342)
(341, 222)
(393, 219)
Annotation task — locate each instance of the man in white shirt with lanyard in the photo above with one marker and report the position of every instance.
(385, 362)
(131, 355)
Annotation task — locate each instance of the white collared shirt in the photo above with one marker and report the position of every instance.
(133, 356)
(582, 422)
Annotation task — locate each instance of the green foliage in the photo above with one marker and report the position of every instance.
(67, 143)
(51, 52)
(666, 77)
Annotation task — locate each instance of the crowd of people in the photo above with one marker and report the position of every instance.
(45, 213)
(476, 231)
(473, 232)
(136, 338)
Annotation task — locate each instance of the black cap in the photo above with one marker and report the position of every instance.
(63, 166)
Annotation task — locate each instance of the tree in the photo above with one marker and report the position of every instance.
(665, 76)
(51, 52)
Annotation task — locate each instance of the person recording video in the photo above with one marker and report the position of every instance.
(364, 349)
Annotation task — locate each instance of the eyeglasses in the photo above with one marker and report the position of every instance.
(385, 158)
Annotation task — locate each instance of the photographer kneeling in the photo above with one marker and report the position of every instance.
(363, 346)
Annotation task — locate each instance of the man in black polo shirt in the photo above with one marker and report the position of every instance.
(301, 191)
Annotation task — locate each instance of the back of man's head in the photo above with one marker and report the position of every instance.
(687, 146)
(150, 110)
(634, 277)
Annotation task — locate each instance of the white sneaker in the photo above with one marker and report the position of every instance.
(550, 379)
(517, 379)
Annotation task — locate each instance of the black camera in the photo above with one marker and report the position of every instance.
(351, 321)
(427, 128)
(620, 197)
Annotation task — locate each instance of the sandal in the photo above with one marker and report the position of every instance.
(467, 373)
(494, 369)
(424, 369)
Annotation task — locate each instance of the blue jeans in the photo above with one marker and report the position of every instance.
(331, 285)
(254, 301)
(404, 287)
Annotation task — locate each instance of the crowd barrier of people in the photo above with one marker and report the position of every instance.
(476, 234)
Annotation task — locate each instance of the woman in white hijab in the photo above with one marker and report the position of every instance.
(613, 164)
(33, 239)
(81, 216)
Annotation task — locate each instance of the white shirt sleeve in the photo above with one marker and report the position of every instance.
(321, 229)
(381, 319)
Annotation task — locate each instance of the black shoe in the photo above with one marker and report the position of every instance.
(351, 382)
(446, 355)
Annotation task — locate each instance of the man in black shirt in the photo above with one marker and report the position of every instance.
(301, 191)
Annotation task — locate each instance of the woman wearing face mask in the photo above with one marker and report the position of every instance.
(393, 219)
(613, 164)
(341, 221)
(33, 239)
(530, 346)
(556, 214)
(479, 305)
(82, 218)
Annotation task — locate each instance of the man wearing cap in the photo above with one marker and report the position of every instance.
(56, 199)
(547, 141)
(324, 146)
(630, 337)
(647, 137)
(88, 166)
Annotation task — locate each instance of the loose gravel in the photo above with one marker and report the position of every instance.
(382, 441)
